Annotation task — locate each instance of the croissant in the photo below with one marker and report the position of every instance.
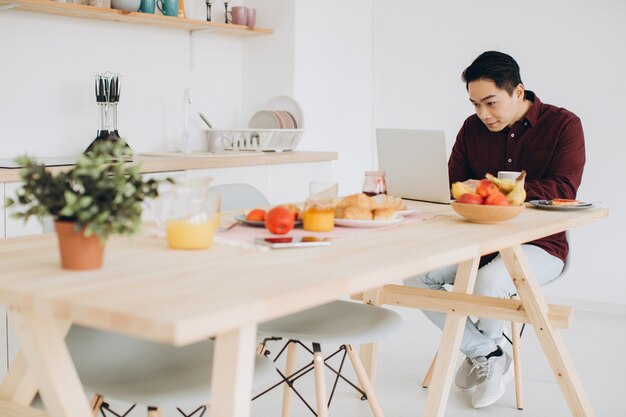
(384, 213)
(383, 201)
(357, 200)
(356, 213)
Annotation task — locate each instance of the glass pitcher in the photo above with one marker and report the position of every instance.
(189, 214)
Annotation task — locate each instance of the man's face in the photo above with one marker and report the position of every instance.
(494, 106)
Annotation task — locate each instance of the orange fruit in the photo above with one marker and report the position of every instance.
(279, 220)
(256, 215)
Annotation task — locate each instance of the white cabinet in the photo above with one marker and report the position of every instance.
(2, 197)
(13, 228)
(290, 182)
(253, 175)
(17, 227)
(3, 314)
(280, 183)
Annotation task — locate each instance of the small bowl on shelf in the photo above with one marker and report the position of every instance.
(126, 5)
(483, 213)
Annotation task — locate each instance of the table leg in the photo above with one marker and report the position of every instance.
(51, 366)
(439, 388)
(548, 335)
(233, 368)
(368, 352)
(19, 386)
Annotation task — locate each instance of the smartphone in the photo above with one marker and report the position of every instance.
(293, 242)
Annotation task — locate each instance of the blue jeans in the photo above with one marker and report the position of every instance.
(493, 280)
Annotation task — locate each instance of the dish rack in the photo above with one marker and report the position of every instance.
(277, 127)
(259, 140)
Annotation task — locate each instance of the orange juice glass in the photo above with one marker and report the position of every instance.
(318, 218)
(319, 210)
(189, 234)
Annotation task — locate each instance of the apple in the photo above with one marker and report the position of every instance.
(294, 209)
(469, 198)
(497, 199)
(486, 188)
(279, 220)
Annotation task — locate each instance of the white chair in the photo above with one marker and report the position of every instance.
(157, 375)
(339, 323)
(515, 340)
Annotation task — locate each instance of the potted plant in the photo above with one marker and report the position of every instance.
(100, 196)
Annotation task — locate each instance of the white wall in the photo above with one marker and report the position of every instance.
(47, 64)
(571, 53)
(334, 82)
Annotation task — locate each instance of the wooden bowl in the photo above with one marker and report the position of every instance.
(482, 213)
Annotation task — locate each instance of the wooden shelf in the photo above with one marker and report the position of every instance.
(96, 13)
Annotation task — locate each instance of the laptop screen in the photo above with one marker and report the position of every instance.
(415, 163)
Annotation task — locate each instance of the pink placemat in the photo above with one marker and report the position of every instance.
(244, 236)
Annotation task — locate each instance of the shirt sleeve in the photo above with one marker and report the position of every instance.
(458, 168)
(564, 174)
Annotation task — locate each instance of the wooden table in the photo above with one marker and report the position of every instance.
(180, 297)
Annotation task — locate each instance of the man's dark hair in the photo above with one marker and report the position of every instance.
(495, 66)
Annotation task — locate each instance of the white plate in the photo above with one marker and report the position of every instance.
(545, 204)
(405, 213)
(264, 120)
(368, 223)
(287, 104)
(241, 218)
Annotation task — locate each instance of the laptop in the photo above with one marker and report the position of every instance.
(415, 164)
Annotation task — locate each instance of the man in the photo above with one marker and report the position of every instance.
(511, 130)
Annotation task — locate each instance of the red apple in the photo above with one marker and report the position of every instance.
(469, 198)
(279, 220)
(485, 188)
(497, 199)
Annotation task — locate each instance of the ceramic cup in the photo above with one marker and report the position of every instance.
(239, 15)
(251, 21)
(217, 144)
(512, 175)
(147, 6)
(168, 7)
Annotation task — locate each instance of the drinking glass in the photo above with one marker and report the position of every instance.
(319, 208)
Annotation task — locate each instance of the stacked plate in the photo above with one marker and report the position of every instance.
(273, 119)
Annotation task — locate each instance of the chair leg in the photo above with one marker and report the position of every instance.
(429, 373)
(154, 412)
(364, 381)
(96, 404)
(320, 381)
(517, 364)
(289, 369)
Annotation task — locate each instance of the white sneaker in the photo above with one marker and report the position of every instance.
(466, 375)
(492, 376)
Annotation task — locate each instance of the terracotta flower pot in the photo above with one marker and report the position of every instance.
(77, 251)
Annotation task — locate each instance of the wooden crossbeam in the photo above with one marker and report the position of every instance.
(466, 304)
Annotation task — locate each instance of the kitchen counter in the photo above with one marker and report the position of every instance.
(172, 161)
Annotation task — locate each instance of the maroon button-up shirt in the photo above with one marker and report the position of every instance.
(548, 143)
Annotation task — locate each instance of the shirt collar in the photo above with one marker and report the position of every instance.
(533, 112)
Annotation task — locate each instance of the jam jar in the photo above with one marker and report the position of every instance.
(374, 183)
